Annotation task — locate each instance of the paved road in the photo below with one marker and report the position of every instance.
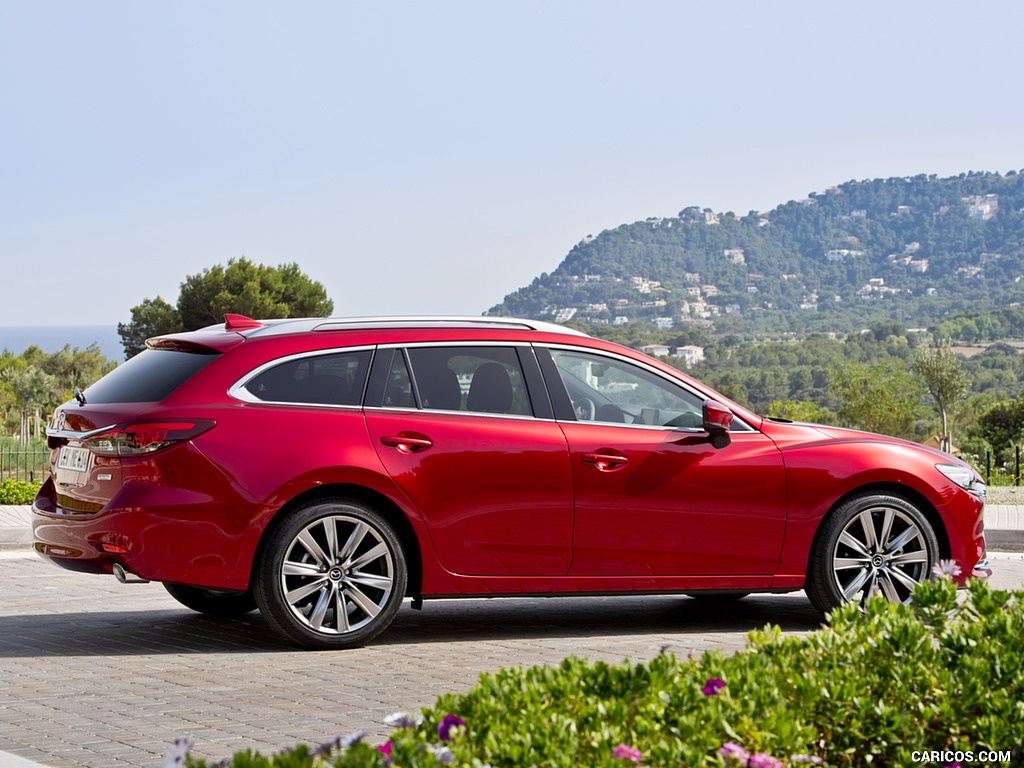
(99, 674)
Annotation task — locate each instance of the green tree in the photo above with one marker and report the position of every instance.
(882, 398)
(76, 367)
(1002, 425)
(803, 410)
(947, 383)
(153, 317)
(33, 388)
(241, 287)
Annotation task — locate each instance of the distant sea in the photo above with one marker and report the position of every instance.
(53, 338)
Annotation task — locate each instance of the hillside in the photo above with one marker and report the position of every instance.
(913, 250)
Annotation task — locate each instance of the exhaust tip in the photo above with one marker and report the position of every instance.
(124, 576)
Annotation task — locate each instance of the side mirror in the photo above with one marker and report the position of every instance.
(717, 419)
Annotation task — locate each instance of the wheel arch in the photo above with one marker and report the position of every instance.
(900, 490)
(372, 498)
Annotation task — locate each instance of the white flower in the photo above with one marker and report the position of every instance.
(402, 720)
(945, 568)
(177, 753)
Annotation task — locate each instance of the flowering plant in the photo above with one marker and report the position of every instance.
(824, 699)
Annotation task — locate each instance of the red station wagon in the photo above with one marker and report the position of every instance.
(323, 470)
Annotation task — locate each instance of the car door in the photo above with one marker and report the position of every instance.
(653, 496)
(455, 427)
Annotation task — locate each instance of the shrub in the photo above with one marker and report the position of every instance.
(870, 689)
(18, 491)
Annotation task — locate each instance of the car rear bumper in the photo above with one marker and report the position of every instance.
(159, 535)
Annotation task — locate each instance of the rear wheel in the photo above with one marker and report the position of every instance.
(871, 544)
(332, 576)
(212, 602)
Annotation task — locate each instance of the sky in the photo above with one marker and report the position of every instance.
(433, 157)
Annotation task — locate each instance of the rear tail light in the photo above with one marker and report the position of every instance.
(146, 437)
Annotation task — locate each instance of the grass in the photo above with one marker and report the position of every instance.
(1005, 494)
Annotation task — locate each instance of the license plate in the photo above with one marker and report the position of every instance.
(76, 459)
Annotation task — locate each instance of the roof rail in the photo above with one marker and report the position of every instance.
(442, 321)
(249, 327)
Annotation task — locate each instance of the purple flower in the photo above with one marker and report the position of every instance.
(626, 752)
(354, 738)
(713, 686)
(326, 747)
(762, 760)
(450, 727)
(807, 759)
(339, 742)
(734, 754)
(177, 753)
(385, 749)
(443, 755)
(945, 568)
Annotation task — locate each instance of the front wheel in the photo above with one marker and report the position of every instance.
(871, 544)
(332, 576)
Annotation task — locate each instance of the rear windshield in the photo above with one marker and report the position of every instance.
(148, 377)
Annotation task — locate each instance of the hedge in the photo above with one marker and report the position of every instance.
(18, 491)
(878, 686)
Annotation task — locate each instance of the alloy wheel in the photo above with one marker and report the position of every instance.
(880, 550)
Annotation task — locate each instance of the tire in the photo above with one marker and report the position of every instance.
(332, 576)
(213, 602)
(871, 543)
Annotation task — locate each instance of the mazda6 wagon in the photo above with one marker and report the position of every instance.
(323, 470)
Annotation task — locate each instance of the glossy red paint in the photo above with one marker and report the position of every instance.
(496, 494)
(591, 489)
(676, 506)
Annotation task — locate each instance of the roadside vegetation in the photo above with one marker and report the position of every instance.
(871, 688)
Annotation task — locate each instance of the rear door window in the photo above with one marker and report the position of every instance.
(477, 379)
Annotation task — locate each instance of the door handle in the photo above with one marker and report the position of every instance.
(605, 461)
(407, 443)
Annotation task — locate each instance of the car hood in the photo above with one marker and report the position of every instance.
(792, 428)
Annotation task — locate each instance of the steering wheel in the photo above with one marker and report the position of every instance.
(585, 409)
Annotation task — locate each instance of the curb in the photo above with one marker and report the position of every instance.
(15, 531)
(7, 760)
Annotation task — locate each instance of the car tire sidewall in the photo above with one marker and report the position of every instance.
(821, 586)
(269, 591)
